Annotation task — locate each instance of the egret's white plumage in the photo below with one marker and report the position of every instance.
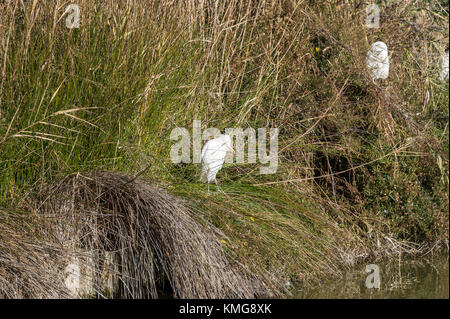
(213, 157)
(443, 61)
(378, 61)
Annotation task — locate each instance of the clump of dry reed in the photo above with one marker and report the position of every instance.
(31, 263)
(159, 246)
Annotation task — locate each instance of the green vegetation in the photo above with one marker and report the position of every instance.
(363, 168)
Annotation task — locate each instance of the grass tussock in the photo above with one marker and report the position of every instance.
(363, 167)
(31, 263)
(159, 245)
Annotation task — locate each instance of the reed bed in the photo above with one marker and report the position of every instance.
(363, 167)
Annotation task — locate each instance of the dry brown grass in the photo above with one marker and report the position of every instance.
(160, 245)
(31, 263)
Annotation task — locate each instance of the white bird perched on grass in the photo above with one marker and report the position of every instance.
(377, 61)
(213, 157)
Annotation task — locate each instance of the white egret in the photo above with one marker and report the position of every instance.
(443, 62)
(377, 61)
(213, 157)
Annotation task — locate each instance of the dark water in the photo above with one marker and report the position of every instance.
(424, 278)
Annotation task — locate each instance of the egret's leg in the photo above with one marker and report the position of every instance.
(218, 187)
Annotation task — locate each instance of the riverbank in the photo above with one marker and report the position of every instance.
(362, 167)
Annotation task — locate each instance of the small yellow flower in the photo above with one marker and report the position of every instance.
(223, 241)
(252, 219)
(317, 49)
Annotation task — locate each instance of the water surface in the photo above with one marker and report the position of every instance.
(423, 278)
